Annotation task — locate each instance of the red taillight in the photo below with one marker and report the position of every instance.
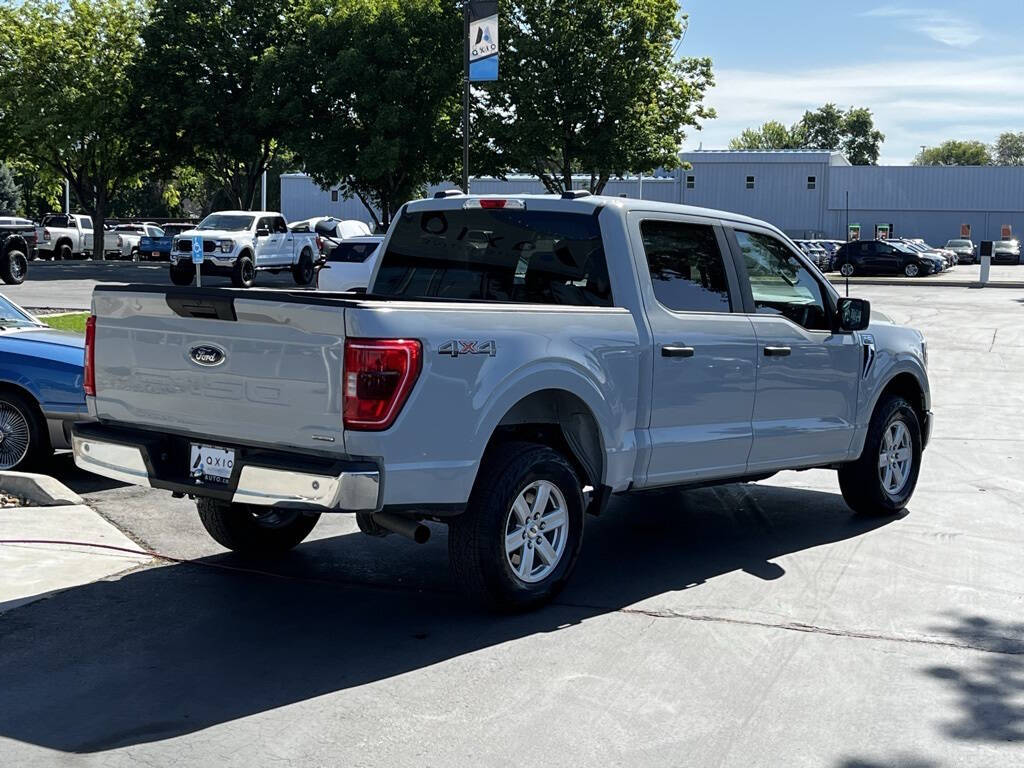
(492, 203)
(89, 374)
(377, 378)
(46, 235)
(319, 243)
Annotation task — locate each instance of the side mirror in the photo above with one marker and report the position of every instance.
(853, 314)
(262, 232)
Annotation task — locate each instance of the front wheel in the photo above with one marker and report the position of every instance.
(13, 267)
(517, 543)
(847, 270)
(254, 531)
(911, 270)
(243, 274)
(182, 274)
(24, 441)
(883, 479)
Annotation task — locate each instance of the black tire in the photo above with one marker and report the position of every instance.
(183, 274)
(476, 538)
(134, 255)
(13, 267)
(862, 481)
(254, 531)
(303, 272)
(62, 252)
(243, 274)
(20, 418)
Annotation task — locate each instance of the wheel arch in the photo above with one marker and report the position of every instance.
(23, 390)
(561, 419)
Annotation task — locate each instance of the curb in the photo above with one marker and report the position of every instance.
(841, 281)
(42, 490)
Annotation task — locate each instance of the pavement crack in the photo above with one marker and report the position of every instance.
(1006, 646)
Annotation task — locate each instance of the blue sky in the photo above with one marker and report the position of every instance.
(929, 71)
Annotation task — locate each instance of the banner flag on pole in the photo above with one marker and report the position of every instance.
(483, 40)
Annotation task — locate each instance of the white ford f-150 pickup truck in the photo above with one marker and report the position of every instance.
(239, 244)
(515, 362)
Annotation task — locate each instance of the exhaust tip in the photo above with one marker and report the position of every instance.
(421, 535)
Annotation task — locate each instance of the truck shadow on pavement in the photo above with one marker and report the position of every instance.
(167, 651)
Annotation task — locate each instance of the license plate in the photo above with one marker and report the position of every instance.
(155, 254)
(212, 464)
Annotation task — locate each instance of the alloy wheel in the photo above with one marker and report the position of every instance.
(895, 458)
(536, 531)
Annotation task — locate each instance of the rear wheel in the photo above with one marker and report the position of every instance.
(13, 267)
(303, 271)
(182, 273)
(24, 441)
(135, 254)
(254, 531)
(517, 543)
(883, 479)
(243, 274)
(62, 252)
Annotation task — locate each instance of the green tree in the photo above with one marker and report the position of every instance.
(829, 128)
(66, 95)
(955, 152)
(589, 86)
(378, 112)
(862, 142)
(770, 136)
(10, 192)
(822, 129)
(1009, 149)
(209, 98)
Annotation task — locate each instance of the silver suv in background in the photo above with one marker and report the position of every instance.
(964, 250)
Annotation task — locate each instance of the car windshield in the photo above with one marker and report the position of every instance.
(959, 244)
(226, 222)
(12, 316)
(903, 247)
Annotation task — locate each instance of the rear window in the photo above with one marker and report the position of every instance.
(55, 221)
(353, 253)
(498, 255)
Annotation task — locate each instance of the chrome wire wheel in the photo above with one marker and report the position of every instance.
(895, 458)
(536, 531)
(14, 436)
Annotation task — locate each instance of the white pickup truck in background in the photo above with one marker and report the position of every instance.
(64, 236)
(238, 244)
(128, 237)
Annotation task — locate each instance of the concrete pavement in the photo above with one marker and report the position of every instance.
(741, 626)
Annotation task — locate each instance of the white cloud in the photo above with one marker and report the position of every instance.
(913, 102)
(935, 23)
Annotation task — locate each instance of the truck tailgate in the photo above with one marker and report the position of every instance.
(222, 365)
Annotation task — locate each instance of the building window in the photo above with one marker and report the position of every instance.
(691, 182)
(812, 182)
(750, 182)
(334, 195)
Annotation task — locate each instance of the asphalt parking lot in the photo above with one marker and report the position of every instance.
(740, 626)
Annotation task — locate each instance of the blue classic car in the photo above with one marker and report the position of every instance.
(41, 392)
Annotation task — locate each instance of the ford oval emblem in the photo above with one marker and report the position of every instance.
(207, 355)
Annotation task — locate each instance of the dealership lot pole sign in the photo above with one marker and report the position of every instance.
(1007, 232)
(481, 60)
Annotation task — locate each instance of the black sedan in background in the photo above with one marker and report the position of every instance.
(884, 257)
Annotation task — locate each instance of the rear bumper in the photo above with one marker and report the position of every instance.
(260, 476)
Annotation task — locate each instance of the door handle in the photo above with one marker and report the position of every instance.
(778, 351)
(672, 350)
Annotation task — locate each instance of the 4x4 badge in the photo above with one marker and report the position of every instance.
(457, 348)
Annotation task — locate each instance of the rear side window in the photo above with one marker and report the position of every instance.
(686, 266)
(55, 221)
(498, 255)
